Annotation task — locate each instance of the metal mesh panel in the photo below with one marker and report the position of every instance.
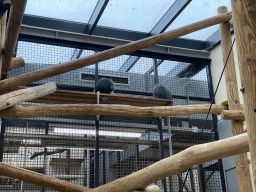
(64, 146)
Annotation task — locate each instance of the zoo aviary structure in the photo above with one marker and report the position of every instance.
(45, 109)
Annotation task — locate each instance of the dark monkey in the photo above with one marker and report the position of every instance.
(105, 85)
(161, 92)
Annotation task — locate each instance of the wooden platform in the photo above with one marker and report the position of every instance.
(73, 97)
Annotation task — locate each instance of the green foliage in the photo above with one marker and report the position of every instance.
(224, 103)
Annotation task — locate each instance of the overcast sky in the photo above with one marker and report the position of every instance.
(136, 15)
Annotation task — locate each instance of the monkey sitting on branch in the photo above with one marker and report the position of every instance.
(105, 85)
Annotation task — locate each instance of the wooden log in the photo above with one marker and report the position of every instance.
(13, 28)
(237, 115)
(15, 97)
(242, 166)
(17, 62)
(178, 163)
(244, 22)
(2, 37)
(173, 165)
(4, 6)
(39, 179)
(111, 53)
(36, 154)
(102, 109)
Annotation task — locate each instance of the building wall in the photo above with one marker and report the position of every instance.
(216, 69)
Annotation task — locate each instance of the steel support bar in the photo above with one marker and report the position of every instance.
(97, 155)
(159, 62)
(177, 69)
(2, 140)
(174, 11)
(97, 13)
(45, 155)
(161, 147)
(95, 17)
(156, 81)
(77, 53)
(129, 63)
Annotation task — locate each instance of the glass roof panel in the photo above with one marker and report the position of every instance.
(142, 65)
(199, 10)
(77, 11)
(134, 15)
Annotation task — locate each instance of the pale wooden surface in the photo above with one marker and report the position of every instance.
(178, 163)
(13, 28)
(74, 97)
(17, 62)
(151, 188)
(244, 22)
(103, 109)
(238, 115)
(2, 38)
(173, 165)
(28, 78)
(242, 166)
(15, 97)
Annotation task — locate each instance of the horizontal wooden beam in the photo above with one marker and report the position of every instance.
(13, 28)
(173, 165)
(15, 97)
(233, 115)
(61, 140)
(102, 109)
(178, 163)
(111, 53)
(17, 62)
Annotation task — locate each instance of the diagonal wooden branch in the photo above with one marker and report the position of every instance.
(178, 163)
(103, 109)
(111, 53)
(48, 153)
(13, 28)
(15, 97)
(173, 165)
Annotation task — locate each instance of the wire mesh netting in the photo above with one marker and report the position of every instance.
(65, 147)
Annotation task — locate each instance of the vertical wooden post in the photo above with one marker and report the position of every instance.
(2, 37)
(13, 28)
(244, 20)
(242, 166)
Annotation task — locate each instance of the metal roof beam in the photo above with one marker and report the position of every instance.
(177, 69)
(96, 15)
(129, 63)
(80, 28)
(91, 42)
(191, 70)
(77, 53)
(177, 7)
